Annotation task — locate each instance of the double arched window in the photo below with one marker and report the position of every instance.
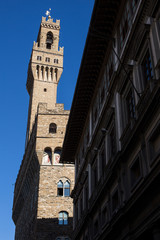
(63, 189)
(63, 218)
(52, 128)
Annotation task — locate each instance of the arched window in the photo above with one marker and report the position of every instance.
(63, 218)
(55, 73)
(67, 189)
(47, 157)
(49, 40)
(63, 188)
(52, 128)
(46, 73)
(37, 71)
(60, 188)
(57, 154)
(42, 72)
(51, 74)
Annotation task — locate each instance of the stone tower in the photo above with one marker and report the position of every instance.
(42, 207)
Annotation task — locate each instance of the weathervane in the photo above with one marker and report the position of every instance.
(48, 13)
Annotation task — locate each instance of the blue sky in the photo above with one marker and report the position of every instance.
(19, 25)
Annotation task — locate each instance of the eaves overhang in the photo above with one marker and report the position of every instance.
(99, 36)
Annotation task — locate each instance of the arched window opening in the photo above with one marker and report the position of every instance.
(42, 72)
(67, 189)
(51, 74)
(37, 71)
(63, 218)
(56, 73)
(60, 188)
(57, 155)
(47, 157)
(46, 73)
(49, 40)
(52, 128)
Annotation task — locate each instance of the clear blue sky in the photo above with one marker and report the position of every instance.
(19, 25)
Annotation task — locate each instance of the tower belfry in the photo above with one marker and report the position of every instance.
(42, 207)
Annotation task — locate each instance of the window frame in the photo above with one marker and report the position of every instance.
(48, 152)
(47, 59)
(133, 184)
(63, 181)
(39, 58)
(127, 122)
(68, 188)
(52, 128)
(56, 60)
(144, 85)
(115, 191)
(60, 188)
(63, 218)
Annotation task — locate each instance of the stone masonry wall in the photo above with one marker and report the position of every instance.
(50, 204)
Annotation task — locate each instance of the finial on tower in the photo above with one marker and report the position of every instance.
(48, 13)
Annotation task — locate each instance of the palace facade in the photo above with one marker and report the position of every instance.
(113, 132)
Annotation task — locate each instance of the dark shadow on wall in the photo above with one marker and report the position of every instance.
(49, 229)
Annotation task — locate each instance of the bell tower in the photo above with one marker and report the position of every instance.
(45, 68)
(42, 206)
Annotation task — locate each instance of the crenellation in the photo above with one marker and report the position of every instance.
(59, 109)
(50, 20)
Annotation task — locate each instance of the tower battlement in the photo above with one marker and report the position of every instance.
(59, 109)
(49, 23)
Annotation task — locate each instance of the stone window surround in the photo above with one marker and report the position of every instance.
(64, 180)
(47, 59)
(52, 128)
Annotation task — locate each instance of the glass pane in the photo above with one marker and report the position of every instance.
(66, 185)
(65, 221)
(65, 215)
(60, 184)
(66, 192)
(61, 218)
(60, 221)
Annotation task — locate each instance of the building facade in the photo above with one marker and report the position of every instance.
(42, 207)
(113, 132)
